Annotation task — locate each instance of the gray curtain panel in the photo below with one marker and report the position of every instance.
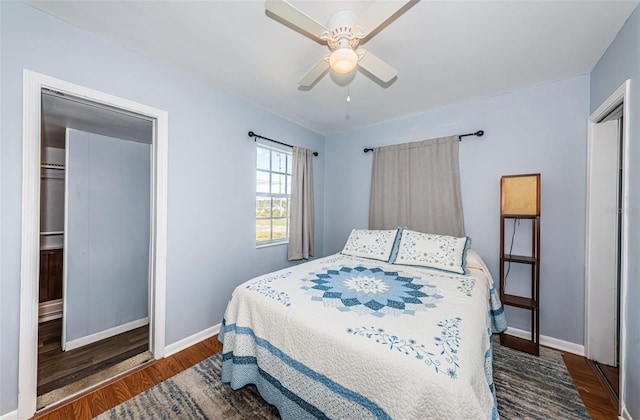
(301, 207)
(417, 185)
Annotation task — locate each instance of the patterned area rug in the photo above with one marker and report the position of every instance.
(527, 387)
(530, 387)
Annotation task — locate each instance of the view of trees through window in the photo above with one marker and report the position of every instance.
(273, 192)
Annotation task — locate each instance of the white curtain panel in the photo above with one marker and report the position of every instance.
(301, 207)
(417, 185)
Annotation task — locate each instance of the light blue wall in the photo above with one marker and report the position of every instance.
(542, 129)
(211, 204)
(620, 62)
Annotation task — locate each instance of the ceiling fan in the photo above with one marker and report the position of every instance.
(344, 32)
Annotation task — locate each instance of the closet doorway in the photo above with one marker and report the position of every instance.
(112, 307)
(94, 244)
(606, 241)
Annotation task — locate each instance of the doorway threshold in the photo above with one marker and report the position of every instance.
(61, 394)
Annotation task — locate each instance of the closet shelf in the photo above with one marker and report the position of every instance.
(52, 232)
(52, 165)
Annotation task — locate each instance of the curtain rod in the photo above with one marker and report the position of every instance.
(478, 133)
(258, 136)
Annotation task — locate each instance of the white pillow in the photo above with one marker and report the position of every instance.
(447, 253)
(374, 244)
(474, 260)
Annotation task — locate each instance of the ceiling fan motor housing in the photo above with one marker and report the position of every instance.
(343, 33)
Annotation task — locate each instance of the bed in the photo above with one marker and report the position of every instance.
(351, 336)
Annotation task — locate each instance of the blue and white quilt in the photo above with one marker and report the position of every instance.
(348, 337)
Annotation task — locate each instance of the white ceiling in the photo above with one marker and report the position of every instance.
(446, 52)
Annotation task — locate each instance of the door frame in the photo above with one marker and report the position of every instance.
(33, 83)
(620, 96)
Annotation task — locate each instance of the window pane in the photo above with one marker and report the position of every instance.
(263, 206)
(263, 156)
(279, 207)
(289, 163)
(289, 184)
(279, 228)
(263, 230)
(278, 184)
(262, 182)
(278, 161)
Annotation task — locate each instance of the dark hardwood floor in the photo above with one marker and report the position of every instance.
(57, 368)
(108, 395)
(592, 390)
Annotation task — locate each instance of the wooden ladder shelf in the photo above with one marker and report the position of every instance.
(520, 199)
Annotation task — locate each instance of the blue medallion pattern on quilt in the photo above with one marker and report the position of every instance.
(371, 291)
(263, 286)
(444, 359)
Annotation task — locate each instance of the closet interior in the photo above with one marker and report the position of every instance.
(51, 230)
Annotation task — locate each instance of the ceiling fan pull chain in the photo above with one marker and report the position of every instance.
(348, 104)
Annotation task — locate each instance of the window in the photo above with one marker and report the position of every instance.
(273, 190)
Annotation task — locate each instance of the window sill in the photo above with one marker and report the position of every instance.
(271, 244)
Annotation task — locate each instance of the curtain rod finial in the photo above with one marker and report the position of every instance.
(479, 133)
(251, 134)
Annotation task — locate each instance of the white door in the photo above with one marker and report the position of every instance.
(602, 242)
(107, 237)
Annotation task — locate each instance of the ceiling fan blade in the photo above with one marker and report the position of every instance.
(378, 68)
(373, 18)
(287, 13)
(315, 73)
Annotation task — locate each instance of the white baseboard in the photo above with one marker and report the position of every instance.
(554, 343)
(50, 310)
(180, 345)
(11, 415)
(83, 341)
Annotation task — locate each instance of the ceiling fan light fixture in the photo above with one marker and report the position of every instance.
(343, 60)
